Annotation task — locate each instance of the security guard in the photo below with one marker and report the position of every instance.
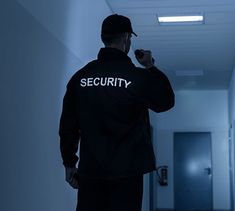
(106, 108)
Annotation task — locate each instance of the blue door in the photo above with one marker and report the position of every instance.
(192, 171)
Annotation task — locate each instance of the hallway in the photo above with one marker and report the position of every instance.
(43, 43)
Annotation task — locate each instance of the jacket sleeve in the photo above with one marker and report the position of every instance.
(156, 90)
(69, 129)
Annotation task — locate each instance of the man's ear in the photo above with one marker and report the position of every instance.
(124, 41)
(126, 36)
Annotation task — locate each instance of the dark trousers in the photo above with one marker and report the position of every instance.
(105, 195)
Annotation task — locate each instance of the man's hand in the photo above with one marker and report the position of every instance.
(146, 59)
(71, 177)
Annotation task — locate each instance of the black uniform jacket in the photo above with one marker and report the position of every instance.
(106, 108)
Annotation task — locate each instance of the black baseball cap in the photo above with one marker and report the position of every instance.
(115, 24)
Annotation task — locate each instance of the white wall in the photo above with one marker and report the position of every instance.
(35, 63)
(195, 111)
(74, 23)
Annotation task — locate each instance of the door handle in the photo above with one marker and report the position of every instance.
(208, 170)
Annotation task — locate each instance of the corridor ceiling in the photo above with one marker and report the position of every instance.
(208, 48)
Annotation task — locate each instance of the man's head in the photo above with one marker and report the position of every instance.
(116, 32)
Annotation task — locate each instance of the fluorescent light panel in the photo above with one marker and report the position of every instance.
(177, 19)
(180, 19)
(189, 72)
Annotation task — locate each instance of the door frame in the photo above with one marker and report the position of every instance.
(212, 173)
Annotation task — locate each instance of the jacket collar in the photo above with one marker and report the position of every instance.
(113, 54)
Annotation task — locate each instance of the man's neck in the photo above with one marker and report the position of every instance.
(118, 47)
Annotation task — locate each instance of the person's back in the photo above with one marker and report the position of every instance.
(106, 106)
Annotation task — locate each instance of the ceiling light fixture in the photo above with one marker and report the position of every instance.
(181, 19)
(189, 72)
